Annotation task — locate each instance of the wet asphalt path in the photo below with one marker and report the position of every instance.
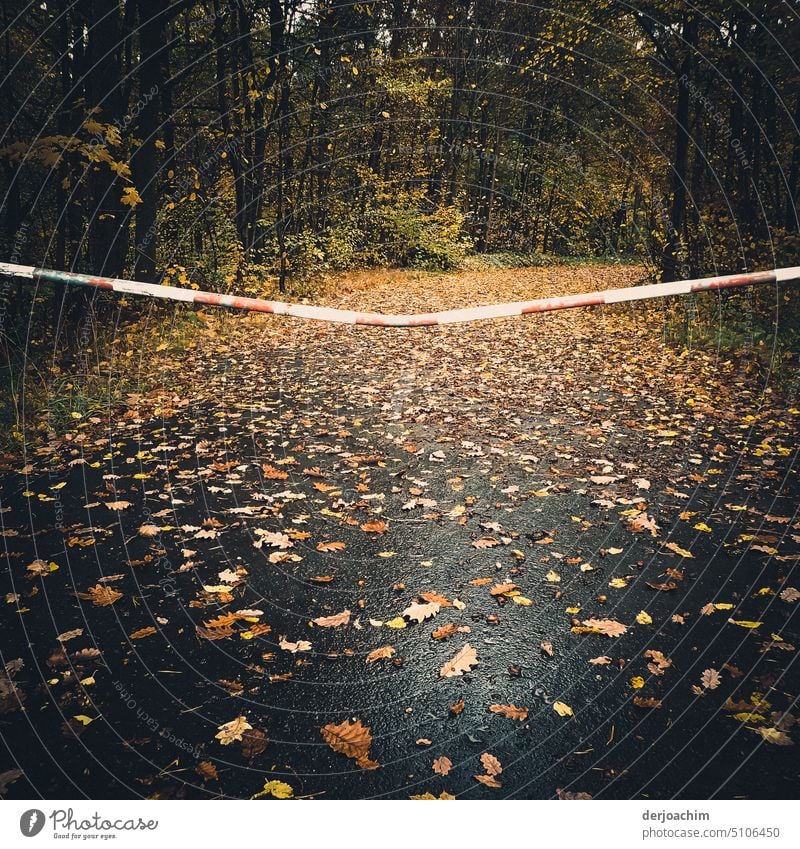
(358, 451)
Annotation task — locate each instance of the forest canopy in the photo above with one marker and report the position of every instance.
(238, 144)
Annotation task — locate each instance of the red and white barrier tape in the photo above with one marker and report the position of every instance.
(607, 296)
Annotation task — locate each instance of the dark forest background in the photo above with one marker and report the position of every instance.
(254, 145)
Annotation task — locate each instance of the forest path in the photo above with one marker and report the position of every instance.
(519, 478)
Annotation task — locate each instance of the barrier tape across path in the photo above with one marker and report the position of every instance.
(587, 299)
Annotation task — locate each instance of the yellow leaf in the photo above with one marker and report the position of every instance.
(85, 720)
(637, 682)
(745, 623)
(644, 618)
(522, 600)
(277, 789)
(397, 622)
(562, 709)
(130, 197)
(748, 717)
(702, 526)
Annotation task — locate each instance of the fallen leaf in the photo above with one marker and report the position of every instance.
(421, 612)
(376, 526)
(491, 764)
(294, 648)
(463, 662)
(102, 596)
(337, 619)
(352, 739)
(276, 789)
(442, 765)
(233, 730)
(609, 627)
(510, 711)
(383, 653)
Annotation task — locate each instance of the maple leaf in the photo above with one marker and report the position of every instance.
(510, 711)
(491, 764)
(342, 618)
(233, 730)
(421, 612)
(350, 738)
(383, 653)
(442, 765)
(609, 627)
(102, 596)
(463, 662)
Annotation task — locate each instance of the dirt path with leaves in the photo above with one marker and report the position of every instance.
(520, 558)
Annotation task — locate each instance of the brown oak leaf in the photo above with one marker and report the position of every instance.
(463, 661)
(510, 711)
